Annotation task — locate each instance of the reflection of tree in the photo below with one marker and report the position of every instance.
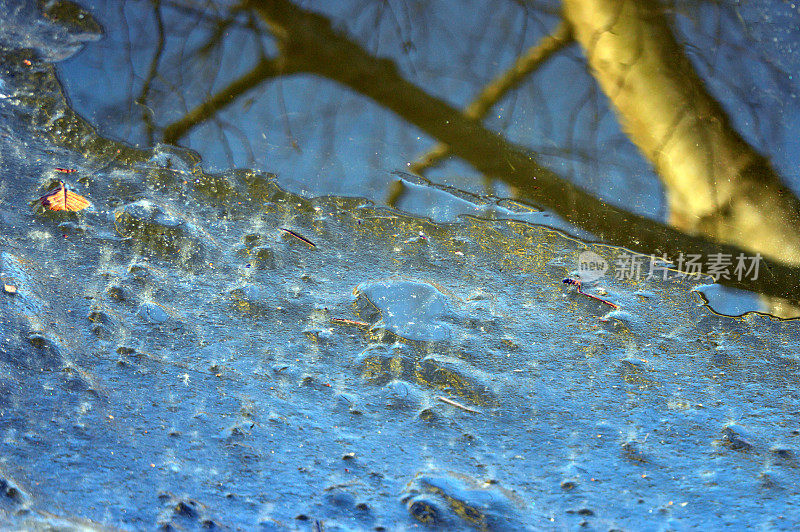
(717, 184)
(500, 86)
(719, 188)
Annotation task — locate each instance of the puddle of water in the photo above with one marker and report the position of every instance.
(182, 356)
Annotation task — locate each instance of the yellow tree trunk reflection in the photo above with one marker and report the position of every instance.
(717, 185)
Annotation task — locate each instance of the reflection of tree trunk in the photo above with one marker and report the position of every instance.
(717, 185)
(307, 43)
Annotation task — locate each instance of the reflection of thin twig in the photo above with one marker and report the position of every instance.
(224, 126)
(151, 75)
(285, 116)
(457, 405)
(501, 85)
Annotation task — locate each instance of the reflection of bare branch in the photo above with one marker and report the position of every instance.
(501, 85)
(309, 44)
(287, 126)
(237, 131)
(200, 13)
(147, 117)
(265, 69)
